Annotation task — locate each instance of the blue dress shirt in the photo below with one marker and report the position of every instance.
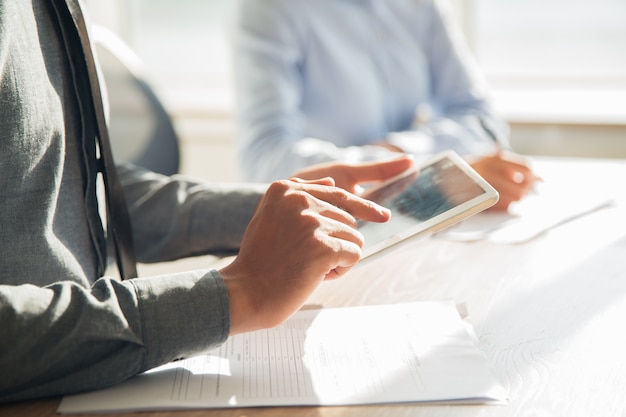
(324, 80)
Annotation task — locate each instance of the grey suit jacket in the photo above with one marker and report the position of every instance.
(63, 327)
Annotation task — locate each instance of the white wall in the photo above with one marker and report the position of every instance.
(577, 140)
(207, 148)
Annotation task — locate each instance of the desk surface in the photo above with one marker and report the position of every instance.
(549, 313)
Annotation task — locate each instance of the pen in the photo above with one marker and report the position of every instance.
(487, 128)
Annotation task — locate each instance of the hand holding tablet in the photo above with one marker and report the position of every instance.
(424, 200)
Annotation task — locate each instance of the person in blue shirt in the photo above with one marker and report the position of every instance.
(357, 80)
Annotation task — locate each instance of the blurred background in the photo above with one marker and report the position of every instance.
(557, 68)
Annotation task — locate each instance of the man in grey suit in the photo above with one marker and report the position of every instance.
(64, 327)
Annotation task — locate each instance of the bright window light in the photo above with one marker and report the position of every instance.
(525, 48)
(552, 43)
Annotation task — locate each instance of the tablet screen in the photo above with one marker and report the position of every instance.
(443, 191)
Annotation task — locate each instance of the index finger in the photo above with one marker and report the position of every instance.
(358, 207)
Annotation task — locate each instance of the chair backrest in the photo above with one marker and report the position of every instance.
(141, 129)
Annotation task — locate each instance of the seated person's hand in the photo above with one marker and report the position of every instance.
(301, 233)
(509, 174)
(348, 176)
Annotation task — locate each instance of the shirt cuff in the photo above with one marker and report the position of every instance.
(182, 314)
(413, 142)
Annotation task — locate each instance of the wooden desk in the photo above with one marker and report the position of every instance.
(550, 314)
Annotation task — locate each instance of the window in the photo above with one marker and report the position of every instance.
(183, 43)
(571, 52)
(552, 43)
(554, 60)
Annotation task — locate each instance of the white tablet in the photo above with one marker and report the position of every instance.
(425, 199)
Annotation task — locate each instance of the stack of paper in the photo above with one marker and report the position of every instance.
(411, 352)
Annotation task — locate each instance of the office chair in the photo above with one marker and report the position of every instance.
(141, 129)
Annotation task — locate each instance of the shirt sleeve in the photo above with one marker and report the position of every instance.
(460, 97)
(460, 93)
(177, 216)
(65, 338)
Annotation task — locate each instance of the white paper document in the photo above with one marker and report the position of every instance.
(412, 352)
(554, 202)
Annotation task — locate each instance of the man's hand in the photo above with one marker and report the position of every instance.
(301, 233)
(349, 176)
(507, 173)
